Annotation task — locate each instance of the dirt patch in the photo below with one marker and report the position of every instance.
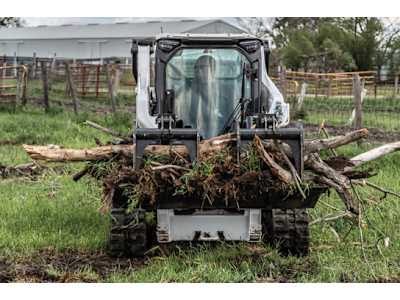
(70, 265)
(395, 279)
(29, 170)
(8, 142)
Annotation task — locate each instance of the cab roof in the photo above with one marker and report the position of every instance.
(202, 37)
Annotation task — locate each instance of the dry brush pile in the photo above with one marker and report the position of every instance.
(266, 166)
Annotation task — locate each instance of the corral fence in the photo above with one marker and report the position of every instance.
(90, 80)
(315, 97)
(324, 84)
(332, 99)
(13, 83)
(49, 79)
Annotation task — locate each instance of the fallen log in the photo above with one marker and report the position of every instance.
(334, 179)
(275, 168)
(375, 153)
(54, 153)
(312, 146)
(206, 148)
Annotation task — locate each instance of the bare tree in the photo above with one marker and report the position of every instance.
(10, 22)
(259, 27)
(388, 43)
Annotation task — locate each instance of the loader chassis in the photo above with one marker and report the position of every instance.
(261, 111)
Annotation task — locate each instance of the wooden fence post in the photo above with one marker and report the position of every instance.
(116, 82)
(358, 90)
(52, 71)
(72, 88)
(111, 87)
(329, 91)
(24, 84)
(34, 64)
(2, 78)
(396, 86)
(4, 70)
(83, 79)
(316, 85)
(15, 63)
(98, 68)
(45, 80)
(18, 90)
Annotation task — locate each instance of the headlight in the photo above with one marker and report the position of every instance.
(167, 45)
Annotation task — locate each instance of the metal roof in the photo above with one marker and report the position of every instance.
(206, 36)
(116, 30)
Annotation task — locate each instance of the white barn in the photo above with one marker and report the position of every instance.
(96, 41)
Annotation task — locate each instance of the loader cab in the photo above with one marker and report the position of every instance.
(201, 80)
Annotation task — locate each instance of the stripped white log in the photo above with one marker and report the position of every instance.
(375, 153)
(302, 95)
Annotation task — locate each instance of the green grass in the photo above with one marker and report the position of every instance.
(58, 96)
(31, 126)
(56, 212)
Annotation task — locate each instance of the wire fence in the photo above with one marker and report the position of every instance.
(317, 98)
(314, 97)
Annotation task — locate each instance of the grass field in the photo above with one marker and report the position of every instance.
(51, 229)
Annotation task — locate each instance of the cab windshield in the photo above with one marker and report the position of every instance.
(208, 84)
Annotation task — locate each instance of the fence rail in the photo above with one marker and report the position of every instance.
(13, 82)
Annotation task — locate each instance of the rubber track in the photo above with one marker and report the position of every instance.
(288, 229)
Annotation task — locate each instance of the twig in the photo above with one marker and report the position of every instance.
(377, 187)
(109, 131)
(335, 233)
(163, 167)
(332, 217)
(292, 169)
(325, 132)
(179, 156)
(328, 205)
(361, 232)
(76, 177)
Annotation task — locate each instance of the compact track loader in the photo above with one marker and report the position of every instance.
(205, 86)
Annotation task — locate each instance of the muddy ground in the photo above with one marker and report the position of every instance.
(70, 266)
(49, 265)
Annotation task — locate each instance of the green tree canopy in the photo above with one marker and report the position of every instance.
(329, 44)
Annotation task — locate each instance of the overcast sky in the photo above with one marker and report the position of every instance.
(60, 21)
